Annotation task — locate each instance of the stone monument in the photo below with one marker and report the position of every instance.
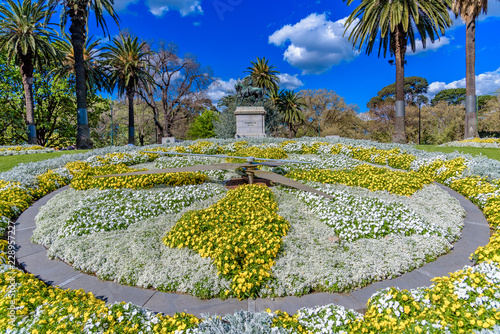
(250, 120)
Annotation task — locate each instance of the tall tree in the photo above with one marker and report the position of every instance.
(203, 125)
(225, 125)
(413, 87)
(25, 37)
(78, 12)
(454, 96)
(11, 102)
(129, 69)
(290, 105)
(95, 76)
(327, 113)
(263, 75)
(178, 80)
(396, 22)
(469, 10)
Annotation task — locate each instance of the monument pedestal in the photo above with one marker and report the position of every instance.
(250, 122)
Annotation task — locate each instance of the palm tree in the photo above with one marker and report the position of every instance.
(78, 12)
(95, 76)
(263, 75)
(397, 21)
(290, 105)
(273, 96)
(25, 37)
(469, 10)
(129, 68)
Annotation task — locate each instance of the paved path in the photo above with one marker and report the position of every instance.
(34, 259)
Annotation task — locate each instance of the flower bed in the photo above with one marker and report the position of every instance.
(241, 233)
(466, 290)
(24, 149)
(475, 142)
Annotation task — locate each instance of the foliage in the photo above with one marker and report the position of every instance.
(327, 113)
(126, 62)
(225, 124)
(55, 105)
(391, 18)
(454, 96)
(290, 105)
(95, 76)
(489, 115)
(439, 124)
(413, 88)
(25, 37)
(11, 100)
(54, 109)
(203, 125)
(482, 100)
(263, 75)
(25, 34)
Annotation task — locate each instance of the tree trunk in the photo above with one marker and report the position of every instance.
(148, 97)
(131, 130)
(167, 114)
(27, 76)
(290, 135)
(470, 130)
(399, 54)
(78, 34)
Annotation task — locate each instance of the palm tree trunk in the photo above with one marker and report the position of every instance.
(470, 130)
(131, 129)
(399, 54)
(290, 135)
(78, 34)
(27, 76)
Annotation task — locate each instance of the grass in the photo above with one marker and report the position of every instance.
(10, 161)
(492, 153)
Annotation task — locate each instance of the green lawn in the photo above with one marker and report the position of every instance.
(10, 161)
(492, 153)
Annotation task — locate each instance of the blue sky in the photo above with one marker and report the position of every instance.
(304, 41)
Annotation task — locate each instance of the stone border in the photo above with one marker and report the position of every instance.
(33, 258)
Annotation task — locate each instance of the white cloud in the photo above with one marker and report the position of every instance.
(316, 44)
(288, 81)
(429, 45)
(220, 88)
(486, 83)
(160, 7)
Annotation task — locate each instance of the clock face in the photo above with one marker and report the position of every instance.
(186, 232)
